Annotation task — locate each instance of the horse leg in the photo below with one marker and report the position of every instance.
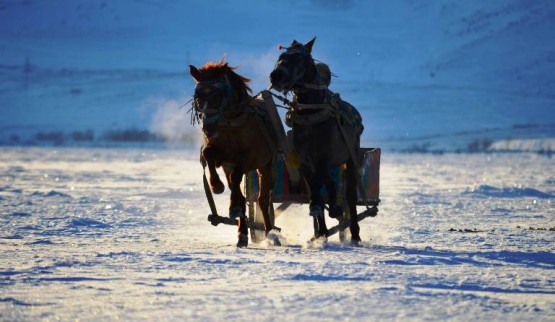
(266, 184)
(315, 181)
(234, 175)
(209, 153)
(237, 204)
(336, 211)
(243, 232)
(351, 194)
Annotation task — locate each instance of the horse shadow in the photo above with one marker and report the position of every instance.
(430, 256)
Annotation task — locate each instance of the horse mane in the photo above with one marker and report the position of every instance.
(238, 82)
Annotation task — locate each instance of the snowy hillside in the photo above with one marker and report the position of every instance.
(415, 69)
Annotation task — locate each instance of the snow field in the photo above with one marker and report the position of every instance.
(102, 234)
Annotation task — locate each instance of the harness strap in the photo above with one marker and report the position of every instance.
(311, 119)
(208, 192)
(276, 121)
(355, 162)
(238, 121)
(266, 135)
(211, 119)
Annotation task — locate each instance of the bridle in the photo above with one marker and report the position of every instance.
(299, 69)
(205, 90)
(318, 112)
(224, 113)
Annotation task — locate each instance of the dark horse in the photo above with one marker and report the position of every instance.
(322, 137)
(236, 137)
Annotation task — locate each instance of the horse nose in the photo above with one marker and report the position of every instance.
(208, 130)
(277, 76)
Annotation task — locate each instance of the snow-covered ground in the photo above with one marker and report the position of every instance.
(121, 233)
(106, 234)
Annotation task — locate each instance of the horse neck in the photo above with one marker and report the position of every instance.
(310, 96)
(307, 95)
(239, 97)
(237, 104)
(239, 91)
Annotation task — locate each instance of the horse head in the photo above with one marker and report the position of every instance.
(294, 67)
(219, 94)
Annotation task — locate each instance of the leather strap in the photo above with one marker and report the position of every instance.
(355, 162)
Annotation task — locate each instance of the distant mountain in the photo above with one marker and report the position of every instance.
(415, 69)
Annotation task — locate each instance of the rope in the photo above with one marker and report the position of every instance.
(284, 100)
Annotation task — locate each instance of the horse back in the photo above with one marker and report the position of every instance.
(329, 141)
(324, 143)
(250, 143)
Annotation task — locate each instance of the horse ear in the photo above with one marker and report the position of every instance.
(309, 44)
(195, 73)
(295, 42)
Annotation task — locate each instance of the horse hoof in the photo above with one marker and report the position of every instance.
(235, 212)
(217, 187)
(243, 241)
(320, 242)
(356, 242)
(273, 238)
(336, 212)
(320, 237)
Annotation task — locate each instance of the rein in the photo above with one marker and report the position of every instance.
(284, 100)
(294, 106)
(226, 114)
(198, 114)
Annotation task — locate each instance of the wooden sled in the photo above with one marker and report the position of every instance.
(288, 191)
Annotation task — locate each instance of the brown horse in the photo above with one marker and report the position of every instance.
(236, 137)
(322, 136)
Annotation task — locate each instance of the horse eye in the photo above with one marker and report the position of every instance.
(204, 91)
